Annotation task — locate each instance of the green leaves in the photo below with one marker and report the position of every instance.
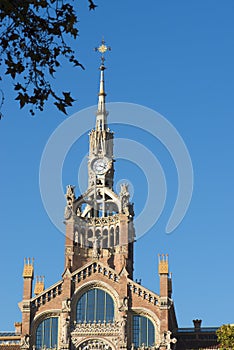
(34, 36)
(225, 336)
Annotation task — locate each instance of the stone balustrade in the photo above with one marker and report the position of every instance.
(93, 268)
(143, 292)
(47, 295)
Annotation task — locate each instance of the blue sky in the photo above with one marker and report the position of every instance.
(177, 59)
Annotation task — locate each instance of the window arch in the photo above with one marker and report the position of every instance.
(143, 331)
(95, 305)
(47, 334)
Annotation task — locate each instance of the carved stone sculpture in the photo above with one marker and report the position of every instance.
(25, 342)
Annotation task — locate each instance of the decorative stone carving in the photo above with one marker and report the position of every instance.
(114, 219)
(124, 304)
(95, 248)
(167, 341)
(25, 342)
(124, 189)
(94, 344)
(67, 213)
(68, 251)
(124, 329)
(70, 195)
(66, 305)
(111, 331)
(124, 195)
(96, 328)
(65, 330)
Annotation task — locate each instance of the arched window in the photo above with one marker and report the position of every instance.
(47, 334)
(143, 331)
(95, 305)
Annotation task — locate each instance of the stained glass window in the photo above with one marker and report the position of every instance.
(95, 305)
(143, 331)
(47, 334)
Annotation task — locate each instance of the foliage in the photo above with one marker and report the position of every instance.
(33, 40)
(225, 336)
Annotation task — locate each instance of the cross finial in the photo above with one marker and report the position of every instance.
(103, 49)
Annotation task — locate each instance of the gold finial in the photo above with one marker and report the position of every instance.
(163, 264)
(28, 267)
(40, 285)
(103, 49)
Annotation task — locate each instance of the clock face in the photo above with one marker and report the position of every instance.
(100, 166)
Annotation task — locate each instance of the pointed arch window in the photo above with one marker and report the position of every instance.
(47, 334)
(143, 331)
(95, 305)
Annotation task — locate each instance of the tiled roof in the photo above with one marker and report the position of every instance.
(10, 340)
(7, 334)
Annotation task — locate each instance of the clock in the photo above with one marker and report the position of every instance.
(100, 165)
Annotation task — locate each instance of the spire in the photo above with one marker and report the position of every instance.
(101, 111)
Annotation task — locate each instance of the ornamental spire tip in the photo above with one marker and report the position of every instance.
(102, 49)
(101, 114)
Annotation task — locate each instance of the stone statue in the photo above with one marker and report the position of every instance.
(124, 304)
(124, 328)
(70, 195)
(67, 212)
(95, 248)
(124, 195)
(124, 189)
(65, 330)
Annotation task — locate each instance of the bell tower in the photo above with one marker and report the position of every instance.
(99, 223)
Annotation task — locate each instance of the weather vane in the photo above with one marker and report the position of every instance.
(103, 49)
